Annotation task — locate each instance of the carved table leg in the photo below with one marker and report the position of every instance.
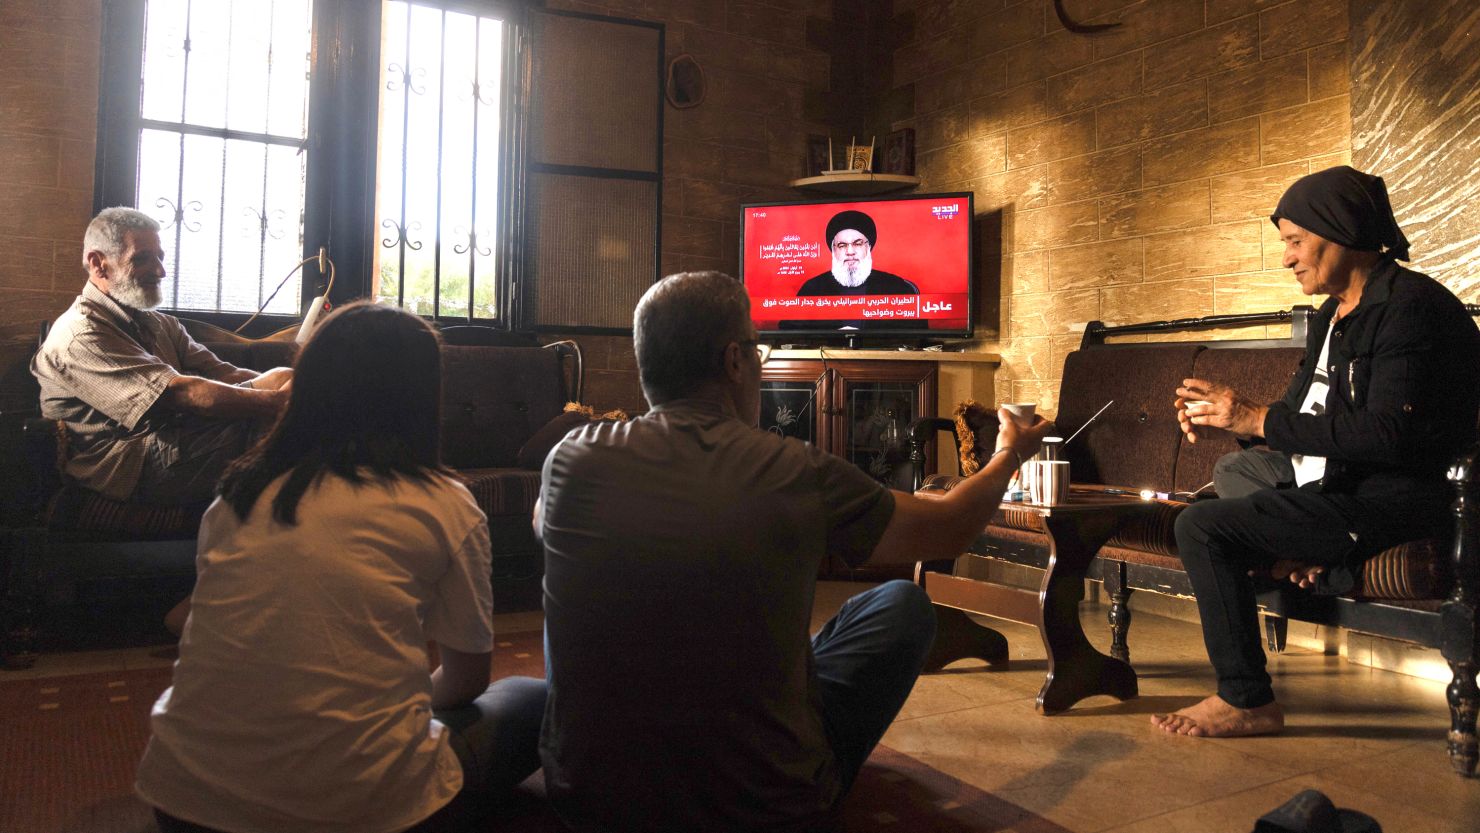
(1075, 669)
(1120, 611)
(958, 636)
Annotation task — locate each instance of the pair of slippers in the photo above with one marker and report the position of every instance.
(1312, 812)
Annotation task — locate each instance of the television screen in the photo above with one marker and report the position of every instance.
(896, 267)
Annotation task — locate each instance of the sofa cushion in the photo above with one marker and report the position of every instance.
(493, 399)
(535, 449)
(1260, 374)
(1153, 532)
(503, 491)
(82, 513)
(1134, 442)
(1415, 570)
(976, 434)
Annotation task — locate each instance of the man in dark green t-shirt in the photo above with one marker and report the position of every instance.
(681, 556)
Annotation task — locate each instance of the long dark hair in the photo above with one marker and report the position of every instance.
(366, 397)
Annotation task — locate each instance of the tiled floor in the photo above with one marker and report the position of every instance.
(1371, 740)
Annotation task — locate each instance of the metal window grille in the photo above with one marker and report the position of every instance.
(438, 201)
(222, 141)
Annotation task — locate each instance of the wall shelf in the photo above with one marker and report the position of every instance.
(856, 184)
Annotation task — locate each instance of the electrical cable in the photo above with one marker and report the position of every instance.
(284, 281)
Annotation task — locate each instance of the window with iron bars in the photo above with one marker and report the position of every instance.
(441, 124)
(245, 128)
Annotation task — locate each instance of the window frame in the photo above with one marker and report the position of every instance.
(342, 146)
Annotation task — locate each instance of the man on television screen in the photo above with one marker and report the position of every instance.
(850, 237)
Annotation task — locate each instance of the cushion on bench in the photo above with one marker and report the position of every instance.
(1134, 442)
(495, 398)
(503, 491)
(82, 513)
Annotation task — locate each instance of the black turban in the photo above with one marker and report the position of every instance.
(856, 220)
(1344, 206)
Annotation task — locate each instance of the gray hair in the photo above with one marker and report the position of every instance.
(680, 329)
(106, 231)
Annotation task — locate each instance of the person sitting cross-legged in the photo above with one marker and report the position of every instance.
(681, 559)
(340, 547)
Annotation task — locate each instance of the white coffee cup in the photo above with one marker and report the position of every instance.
(1022, 412)
(1048, 481)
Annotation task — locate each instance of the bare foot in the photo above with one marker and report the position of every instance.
(1215, 718)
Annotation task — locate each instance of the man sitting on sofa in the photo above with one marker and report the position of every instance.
(681, 558)
(1350, 462)
(151, 415)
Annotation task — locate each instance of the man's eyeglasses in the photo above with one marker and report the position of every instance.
(762, 351)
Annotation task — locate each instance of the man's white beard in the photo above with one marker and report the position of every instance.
(127, 291)
(861, 270)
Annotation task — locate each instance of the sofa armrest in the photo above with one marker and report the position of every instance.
(922, 431)
(1464, 474)
(572, 365)
(35, 453)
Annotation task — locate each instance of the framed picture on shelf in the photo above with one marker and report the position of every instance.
(860, 158)
(898, 153)
(817, 150)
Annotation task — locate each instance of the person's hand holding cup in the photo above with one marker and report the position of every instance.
(1021, 429)
(1202, 403)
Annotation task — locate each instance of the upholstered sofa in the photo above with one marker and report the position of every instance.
(503, 405)
(1423, 591)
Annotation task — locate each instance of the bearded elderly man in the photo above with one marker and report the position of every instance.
(851, 236)
(151, 415)
(1350, 462)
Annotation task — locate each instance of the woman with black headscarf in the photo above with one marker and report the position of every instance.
(1350, 462)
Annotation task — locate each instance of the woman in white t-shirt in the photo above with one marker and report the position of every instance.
(340, 547)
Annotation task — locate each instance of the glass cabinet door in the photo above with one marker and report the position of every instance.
(859, 410)
(876, 438)
(874, 404)
(792, 398)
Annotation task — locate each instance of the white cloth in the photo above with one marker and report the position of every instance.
(302, 699)
(1309, 468)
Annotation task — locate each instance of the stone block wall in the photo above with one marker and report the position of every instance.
(49, 51)
(1416, 119)
(1125, 175)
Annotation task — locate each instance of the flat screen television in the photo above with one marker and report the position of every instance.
(871, 270)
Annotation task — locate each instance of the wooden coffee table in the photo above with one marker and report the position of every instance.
(1076, 670)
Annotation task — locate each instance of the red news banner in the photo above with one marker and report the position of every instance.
(882, 307)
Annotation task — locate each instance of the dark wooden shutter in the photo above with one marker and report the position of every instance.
(595, 170)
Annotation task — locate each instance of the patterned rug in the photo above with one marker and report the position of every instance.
(69, 745)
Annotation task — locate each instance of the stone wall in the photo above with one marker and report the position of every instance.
(49, 52)
(1125, 175)
(1416, 122)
